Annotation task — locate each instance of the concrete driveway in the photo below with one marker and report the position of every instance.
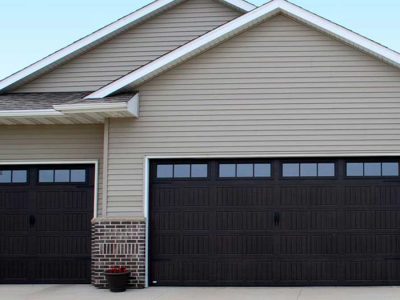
(87, 292)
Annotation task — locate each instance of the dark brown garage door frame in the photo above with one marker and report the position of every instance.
(374, 267)
(67, 265)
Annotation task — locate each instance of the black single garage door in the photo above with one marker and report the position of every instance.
(275, 222)
(45, 214)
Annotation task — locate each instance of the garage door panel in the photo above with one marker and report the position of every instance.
(293, 272)
(324, 271)
(300, 195)
(388, 244)
(14, 245)
(359, 243)
(14, 222)
(293, 244)
(197, 245)
(259, 272)
(47, 226)
(63, 199)
(13, 200)
(14, 270)
(387, 219)
(244, 196)
(244, 220)
(196, 220)
(275, 230)
(239, 245)
(61, 269)
(323, 220)
(324, 244)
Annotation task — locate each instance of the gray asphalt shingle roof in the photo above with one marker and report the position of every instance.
(32, 101)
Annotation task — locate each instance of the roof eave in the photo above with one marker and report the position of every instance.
(82, 113)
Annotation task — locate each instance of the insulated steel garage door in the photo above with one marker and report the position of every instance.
(45, 214)
(275, 222)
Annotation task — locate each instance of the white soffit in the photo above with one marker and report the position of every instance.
(97, 37)
(238, 25)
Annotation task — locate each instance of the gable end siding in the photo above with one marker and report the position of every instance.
(280, 88)
(134, 48)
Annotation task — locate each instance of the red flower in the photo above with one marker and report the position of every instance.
(117, 269)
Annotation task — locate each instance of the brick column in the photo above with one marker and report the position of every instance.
(119, 242)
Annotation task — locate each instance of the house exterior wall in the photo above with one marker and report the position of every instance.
(54, 143)
(278, 89)
(134, 48)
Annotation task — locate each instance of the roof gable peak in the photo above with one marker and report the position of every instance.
(239, 25)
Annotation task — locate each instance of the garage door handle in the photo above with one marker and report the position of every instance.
(32, 220)
(277, 218)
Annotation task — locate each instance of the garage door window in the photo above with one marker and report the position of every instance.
(308, 170)
(62, 176)
(165, 171)
(13, 176)
(372, 169)
(244, 170)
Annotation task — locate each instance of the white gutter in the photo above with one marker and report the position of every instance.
(131, 107)
(29, 113)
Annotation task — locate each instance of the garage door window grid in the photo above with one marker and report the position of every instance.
(13, 176)
(181, 171)
(372, 169)
(62, 176)
(245, 170)
(308, 170)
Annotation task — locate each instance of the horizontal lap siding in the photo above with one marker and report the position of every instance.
(53, 143)
(281, 88)
(135, 47)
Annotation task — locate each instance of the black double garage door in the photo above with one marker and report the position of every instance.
(275, 222)
(45, 214)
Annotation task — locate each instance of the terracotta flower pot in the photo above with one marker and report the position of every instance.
(117, 282)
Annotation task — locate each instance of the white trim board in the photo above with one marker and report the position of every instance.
(64, 162)
(237, 26)
(98, 37)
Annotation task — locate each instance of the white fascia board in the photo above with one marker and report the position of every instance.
(238, 25)
(341, 33)
(240, 4)
(188, 50)
(98, 36)
(29, 113)
(88, 41)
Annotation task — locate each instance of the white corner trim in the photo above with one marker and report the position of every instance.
(238, 25)
(100, 35)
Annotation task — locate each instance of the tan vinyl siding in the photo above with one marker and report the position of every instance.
(135, 47)
(53, 143)
(281, 88)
